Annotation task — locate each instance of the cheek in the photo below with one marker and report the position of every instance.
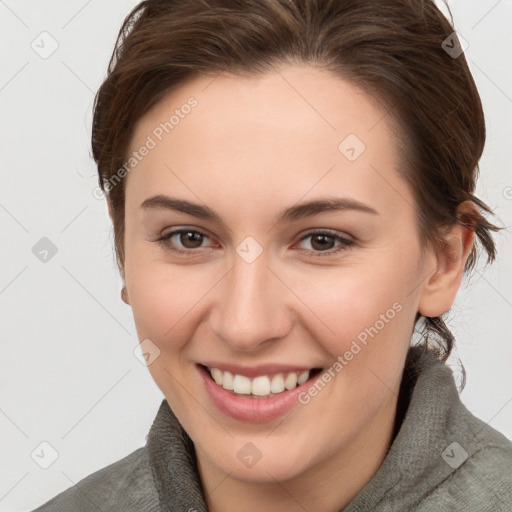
(161, 295)
(362, 307)
(163, 299)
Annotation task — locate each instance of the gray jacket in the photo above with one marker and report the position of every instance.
(442, 459)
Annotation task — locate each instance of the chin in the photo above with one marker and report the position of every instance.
(259, 459)
(267, 470)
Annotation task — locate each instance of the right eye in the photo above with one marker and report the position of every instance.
(188, 239)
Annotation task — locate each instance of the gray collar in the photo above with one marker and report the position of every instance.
(432, 419)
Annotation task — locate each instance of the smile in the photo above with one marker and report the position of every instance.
(263, 385)
(255, 395)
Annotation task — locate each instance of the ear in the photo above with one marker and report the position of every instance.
(439, 292)
(124, 293)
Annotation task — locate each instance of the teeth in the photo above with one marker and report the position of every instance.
(259, 386)
(242, 385)
(291, 381)
(303, 377)
(226, 381)
(217, 375)
(277, 384)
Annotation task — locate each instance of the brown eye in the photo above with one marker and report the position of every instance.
(191, 239)
(322, 242)
(183, 241)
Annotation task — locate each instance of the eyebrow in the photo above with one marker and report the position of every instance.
(293, 213)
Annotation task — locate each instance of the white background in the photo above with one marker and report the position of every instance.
(68, 373)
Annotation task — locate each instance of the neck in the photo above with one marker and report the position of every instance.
(329, 486)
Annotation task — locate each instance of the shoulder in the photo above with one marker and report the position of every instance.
(125, 485)
(482, 482)
(468, 466)
(480, 476)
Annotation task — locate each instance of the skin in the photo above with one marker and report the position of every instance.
(266, 143)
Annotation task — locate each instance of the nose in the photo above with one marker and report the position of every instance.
(251, 309)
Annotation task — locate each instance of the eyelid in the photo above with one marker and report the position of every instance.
(183, 229)
(346, 241)
(165, 238)
(326, 231)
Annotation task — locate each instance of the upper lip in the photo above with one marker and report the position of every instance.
(258, 370)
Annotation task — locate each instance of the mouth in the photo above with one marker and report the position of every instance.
(260, 386)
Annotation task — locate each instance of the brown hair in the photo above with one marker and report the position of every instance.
(393, 49)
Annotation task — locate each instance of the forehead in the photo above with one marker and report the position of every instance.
(281, 133)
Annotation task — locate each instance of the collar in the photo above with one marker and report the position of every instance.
(428, 402)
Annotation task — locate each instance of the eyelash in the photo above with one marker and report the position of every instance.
(344, 242)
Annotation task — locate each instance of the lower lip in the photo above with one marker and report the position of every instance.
(252, 410)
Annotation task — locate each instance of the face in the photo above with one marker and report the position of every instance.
(268, 233)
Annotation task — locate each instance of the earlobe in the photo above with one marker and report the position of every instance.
(124, 295)
(444, 282)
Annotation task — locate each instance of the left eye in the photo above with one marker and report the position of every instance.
(324, 242)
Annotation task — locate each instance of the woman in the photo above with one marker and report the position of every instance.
(291, 185)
